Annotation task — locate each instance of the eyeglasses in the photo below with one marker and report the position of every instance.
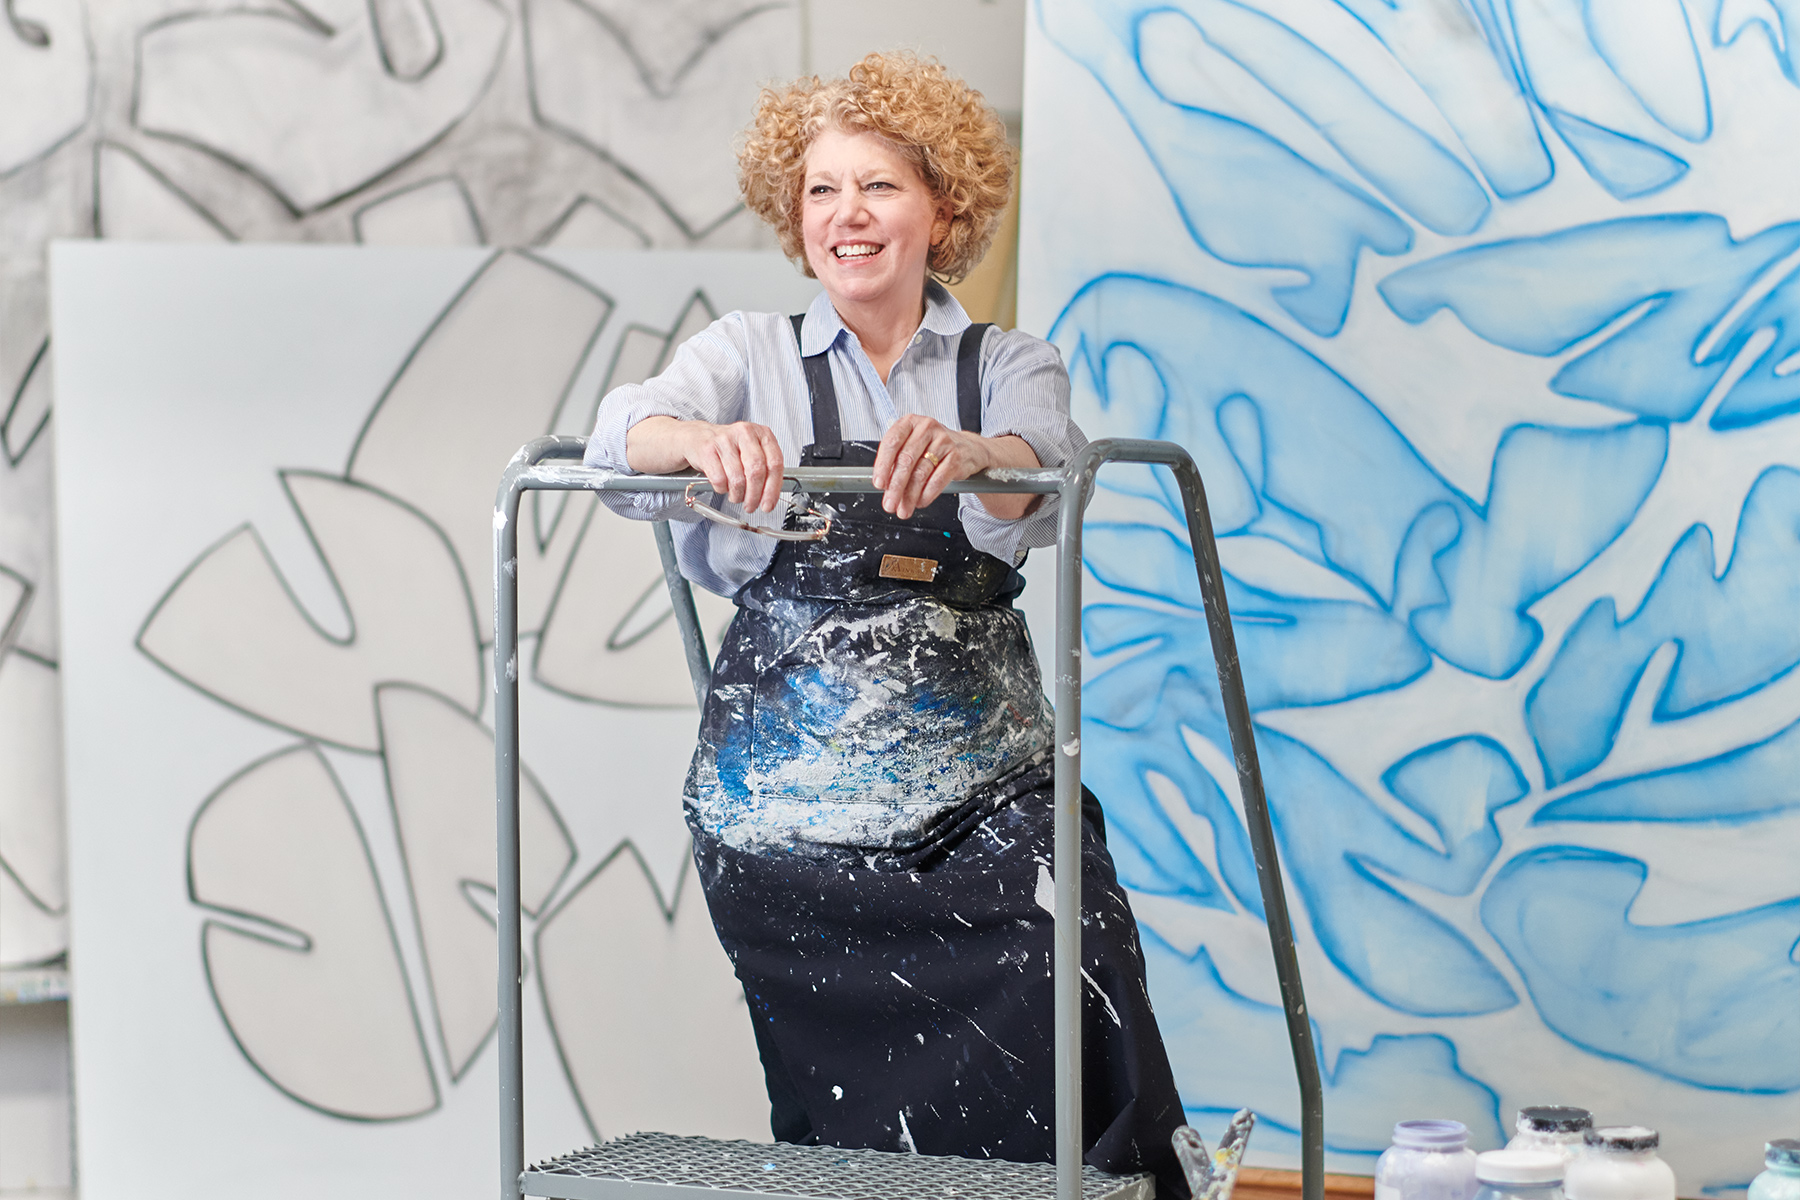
(814, 511)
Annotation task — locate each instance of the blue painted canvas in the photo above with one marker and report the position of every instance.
(1482, 321)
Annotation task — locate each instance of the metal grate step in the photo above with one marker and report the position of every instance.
(664, 1166)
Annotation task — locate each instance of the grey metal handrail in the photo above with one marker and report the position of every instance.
(544, 464)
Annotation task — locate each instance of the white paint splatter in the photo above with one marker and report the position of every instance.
(1104, 998)
(837, 1093)
(906, 1137)
(1046, 891)
(959, 1012)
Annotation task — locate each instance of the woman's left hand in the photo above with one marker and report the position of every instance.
(919, 455)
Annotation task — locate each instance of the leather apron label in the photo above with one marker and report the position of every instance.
(899, 566)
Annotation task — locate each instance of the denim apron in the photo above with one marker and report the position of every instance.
(870, 801)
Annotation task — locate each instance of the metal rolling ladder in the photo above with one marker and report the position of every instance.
(653, 1166)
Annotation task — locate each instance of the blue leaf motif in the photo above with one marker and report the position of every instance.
(1540, 295)
(1335, 843)
(1736, 634)
(1458, 785)
(1267, 424)
(1742, 784)
(1303, 219)
(1558, 498)
(1712, 1002)
(1295, 651)
(1399, 158)
(1397, 1073)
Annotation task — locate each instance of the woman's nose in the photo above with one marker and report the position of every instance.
(852, 207)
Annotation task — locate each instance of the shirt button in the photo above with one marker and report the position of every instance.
(917, 338)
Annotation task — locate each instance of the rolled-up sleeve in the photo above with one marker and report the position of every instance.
(707, 380)
(1025, 393)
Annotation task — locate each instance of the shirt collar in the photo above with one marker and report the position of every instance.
(820, 330)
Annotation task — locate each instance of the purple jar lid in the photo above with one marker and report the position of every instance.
(1431, 1135)
(1554, 1118)
(1624, 1138)
(1782, 1152)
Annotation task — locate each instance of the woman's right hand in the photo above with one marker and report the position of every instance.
(742, 461)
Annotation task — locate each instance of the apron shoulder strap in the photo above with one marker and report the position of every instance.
(968, 377)
(828, 436)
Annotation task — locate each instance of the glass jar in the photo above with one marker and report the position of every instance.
(1519, 1175)
(1620, 1164)
(1782, 1179)
(1552, 1127)
(1429, 1160)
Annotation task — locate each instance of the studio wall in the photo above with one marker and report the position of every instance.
(1479, 319)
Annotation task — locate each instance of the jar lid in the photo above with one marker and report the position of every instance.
(1519, 1166)
(1624, 1138)
(1554, 1118)
(1782, 1152)
(1431, 1135)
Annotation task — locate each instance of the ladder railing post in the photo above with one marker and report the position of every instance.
(1261, 830)
(1066, 858)
(687, 617)
(510, 973)
(510, 1033)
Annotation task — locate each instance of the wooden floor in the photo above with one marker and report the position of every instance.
(1260, 1183)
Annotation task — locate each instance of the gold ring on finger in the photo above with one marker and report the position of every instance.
(932, 458)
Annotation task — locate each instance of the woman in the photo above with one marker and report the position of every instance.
(871, 794)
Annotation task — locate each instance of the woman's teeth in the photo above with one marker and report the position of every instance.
(859, 250)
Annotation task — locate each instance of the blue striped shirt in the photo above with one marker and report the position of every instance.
(743, 367)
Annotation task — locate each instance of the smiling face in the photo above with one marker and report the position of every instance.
(869, 222)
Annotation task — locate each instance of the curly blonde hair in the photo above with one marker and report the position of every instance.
(938, 122)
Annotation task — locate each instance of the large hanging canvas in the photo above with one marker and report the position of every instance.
(276, 482)
(1480, 319)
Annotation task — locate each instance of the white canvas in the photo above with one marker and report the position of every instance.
(275, 513)
(1478, 319)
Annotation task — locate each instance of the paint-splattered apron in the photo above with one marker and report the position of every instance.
(871, 808)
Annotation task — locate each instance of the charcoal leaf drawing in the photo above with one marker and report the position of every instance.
(405, 536)
(341, 880)
(33, 890)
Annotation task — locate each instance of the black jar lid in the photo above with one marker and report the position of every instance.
(1782, 1152)
(1554, 1118)
(1624, 1138)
